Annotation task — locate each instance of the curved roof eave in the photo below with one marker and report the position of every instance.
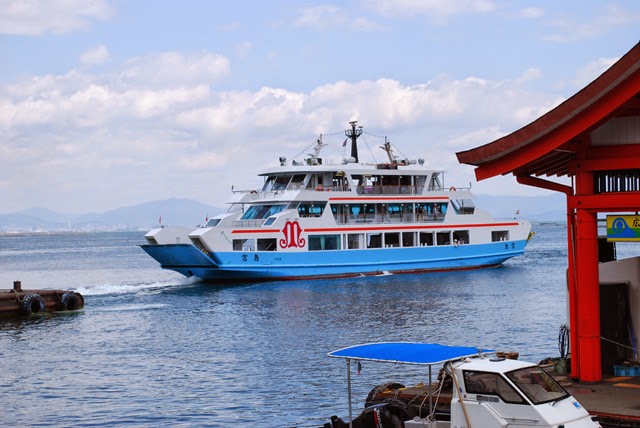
(541, 137)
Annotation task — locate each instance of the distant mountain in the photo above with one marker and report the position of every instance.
(172, 212)
(552, 207)
(187, 212)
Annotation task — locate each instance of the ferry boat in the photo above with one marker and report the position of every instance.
(314, 218)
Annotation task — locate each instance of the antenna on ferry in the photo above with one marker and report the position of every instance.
(387, 148)
(319, 146)
(354, 133)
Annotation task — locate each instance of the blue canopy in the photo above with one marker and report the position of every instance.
(407, 352)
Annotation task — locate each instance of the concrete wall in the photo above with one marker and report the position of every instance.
(625, 271)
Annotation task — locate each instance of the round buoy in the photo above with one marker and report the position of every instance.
(69, 301)
(32, 304)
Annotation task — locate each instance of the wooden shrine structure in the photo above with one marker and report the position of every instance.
(593, 138)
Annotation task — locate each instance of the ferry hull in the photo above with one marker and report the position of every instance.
(268, 265)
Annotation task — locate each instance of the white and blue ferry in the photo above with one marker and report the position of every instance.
(316, 219)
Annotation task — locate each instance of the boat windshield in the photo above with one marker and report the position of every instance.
(537, 385)
(261, 211)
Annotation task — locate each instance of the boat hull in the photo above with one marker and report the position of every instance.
(271, 265)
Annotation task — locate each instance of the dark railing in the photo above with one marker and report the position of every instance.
(617, 181)
(389, 218)
(390, 190)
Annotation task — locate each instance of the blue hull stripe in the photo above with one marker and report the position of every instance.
(261, 265)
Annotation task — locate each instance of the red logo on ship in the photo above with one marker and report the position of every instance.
(292, 235)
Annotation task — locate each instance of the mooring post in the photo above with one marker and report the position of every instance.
(17, 286)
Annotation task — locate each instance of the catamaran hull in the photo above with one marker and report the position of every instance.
(269, 265)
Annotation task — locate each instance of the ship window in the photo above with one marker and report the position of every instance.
(426, 239)
(244, 244)
(374, 240)
(213, 222)
(463, 206)
(435, 182)
(499, 235)
(392, 239)
(483, 383)
(537, 385)
(268, 183)
(461, 237)
(281, 182)
(324, 242)
(355, 241)
(408, 239)
(270, 221)
(443, 238)
(267, 244)
(296, 182)
(311, 209)
(261, 211)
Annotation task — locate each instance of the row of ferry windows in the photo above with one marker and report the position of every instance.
(371, 240)
(316, 209)
(354, 241)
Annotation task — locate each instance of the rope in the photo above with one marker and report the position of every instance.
(616, 343)
(369, 148)
(374, 135)
(303, 151)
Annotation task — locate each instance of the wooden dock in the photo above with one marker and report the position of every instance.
(27, 302)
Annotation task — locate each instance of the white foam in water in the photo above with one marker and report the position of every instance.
(109, 288)
(132, 307)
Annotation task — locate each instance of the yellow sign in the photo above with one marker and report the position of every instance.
(623, 228)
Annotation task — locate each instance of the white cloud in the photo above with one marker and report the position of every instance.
(591, 71)
(159, 120)
(329, 16)
(95, 56)
(570, 30)
(532, 12)
(36, 17)
(434, 8)
(476, 137)
(533, 73)
(174, 68)
(243, 49)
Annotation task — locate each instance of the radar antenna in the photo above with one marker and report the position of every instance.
(354, 133)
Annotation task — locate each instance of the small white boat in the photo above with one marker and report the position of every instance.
(318, 218)
(473, 391)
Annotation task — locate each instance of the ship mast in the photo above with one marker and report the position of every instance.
(354, 133)
(387, 148)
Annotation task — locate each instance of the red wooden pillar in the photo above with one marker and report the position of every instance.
(574, 326)
(587, 286)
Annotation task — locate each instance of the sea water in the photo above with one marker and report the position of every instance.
(153, 348)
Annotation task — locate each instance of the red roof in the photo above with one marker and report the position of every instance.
(548, 144)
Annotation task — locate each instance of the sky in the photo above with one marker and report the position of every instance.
(105, 104)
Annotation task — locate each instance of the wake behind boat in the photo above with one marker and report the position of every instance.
(318, 219)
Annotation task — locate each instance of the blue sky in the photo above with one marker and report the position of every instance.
(106, 104)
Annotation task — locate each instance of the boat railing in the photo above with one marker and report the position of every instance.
(389, 218)
(390, 190)
(321, 188)
(248, 223)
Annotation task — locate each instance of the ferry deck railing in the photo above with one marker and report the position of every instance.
(389, 218)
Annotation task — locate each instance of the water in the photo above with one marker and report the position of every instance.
(152, 348)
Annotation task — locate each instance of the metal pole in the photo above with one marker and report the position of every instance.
(430, 393)
(349, 391)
